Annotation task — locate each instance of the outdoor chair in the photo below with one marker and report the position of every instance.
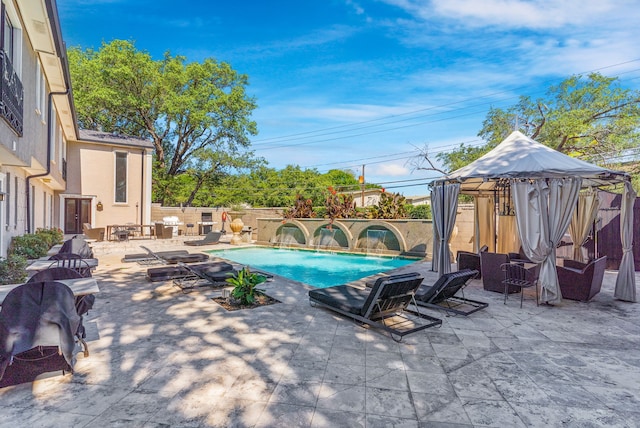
(188, 277)
(174, 259)
(492, 275)
(163, 232)
(71, 261)
(516, 275)
(82, 303)
(96, 233)
(581, 281)
(38, 322)
(470, 260)
(210, 238)
(146, 258)
(442, 294)
(217, 270)
(382, 306)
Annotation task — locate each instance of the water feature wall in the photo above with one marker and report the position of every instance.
(411, 237)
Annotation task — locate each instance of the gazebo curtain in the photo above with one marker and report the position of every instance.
(484, 223)
(626, 282)
(444, 201)
(544, 208)
(582, 220)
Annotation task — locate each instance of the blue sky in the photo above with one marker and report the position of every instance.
(342, 83)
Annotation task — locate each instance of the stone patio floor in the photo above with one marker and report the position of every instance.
(160, 357)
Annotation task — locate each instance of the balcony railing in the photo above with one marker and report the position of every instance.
(11, 95)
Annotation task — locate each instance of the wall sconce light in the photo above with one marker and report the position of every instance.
(2, 196)
(99, 206)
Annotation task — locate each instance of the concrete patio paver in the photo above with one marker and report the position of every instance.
(160, 357)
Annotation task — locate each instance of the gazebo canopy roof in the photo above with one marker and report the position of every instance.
(518, 156)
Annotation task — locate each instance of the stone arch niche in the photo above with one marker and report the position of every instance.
(380, 238)
(331, 237)
(291, 234)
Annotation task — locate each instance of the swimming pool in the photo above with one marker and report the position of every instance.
(318, 269)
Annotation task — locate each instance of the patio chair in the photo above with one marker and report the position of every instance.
(492, 275)
(96, 233)
(146, 258)
(516, 275)
(210, 238)
(382, 306)
(470, 260)
(174, 259)
(581, 281)
(442, 294)
(217, 270)
(205, 274)
(83, 303)
(163, 232)
(71, 261)
(38, 322)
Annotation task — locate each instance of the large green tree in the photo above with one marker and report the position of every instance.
(590, 117)
(268, 187)
(197, 114)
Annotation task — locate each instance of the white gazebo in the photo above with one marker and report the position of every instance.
(543, 192)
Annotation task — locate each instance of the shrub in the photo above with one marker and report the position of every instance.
(419, 211)
(244, 286)
(13, 269)
(302, 208)
(31, 246)
(391, 206)
(52, 236)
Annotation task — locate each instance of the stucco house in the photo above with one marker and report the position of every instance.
(50, 171)
(110, 183)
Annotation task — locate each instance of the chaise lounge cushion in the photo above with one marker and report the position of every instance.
(581, 281)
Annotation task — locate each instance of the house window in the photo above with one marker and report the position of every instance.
(7, 39)
(40, 90)
(15, 202)
(121, 177)
(7, 200)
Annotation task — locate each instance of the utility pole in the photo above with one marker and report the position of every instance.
(361, 181)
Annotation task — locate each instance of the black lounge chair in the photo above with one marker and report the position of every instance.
(210, 238)
(218, 270)
(174, 259)
(442, 294)
(382, 306)
(146, 258)
(205, 274)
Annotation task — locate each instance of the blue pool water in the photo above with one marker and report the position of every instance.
(318, 269)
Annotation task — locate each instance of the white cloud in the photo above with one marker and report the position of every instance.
(389, 169)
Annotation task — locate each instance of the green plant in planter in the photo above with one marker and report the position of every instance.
(51, 236)
(13, 269)
(244, 286)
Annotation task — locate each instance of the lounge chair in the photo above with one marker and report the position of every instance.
(37, 326)
(210, 238)
(205, 274)
(442, 294)
(382, 306)
(146, 258)
(216, 270)
(174, 259)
